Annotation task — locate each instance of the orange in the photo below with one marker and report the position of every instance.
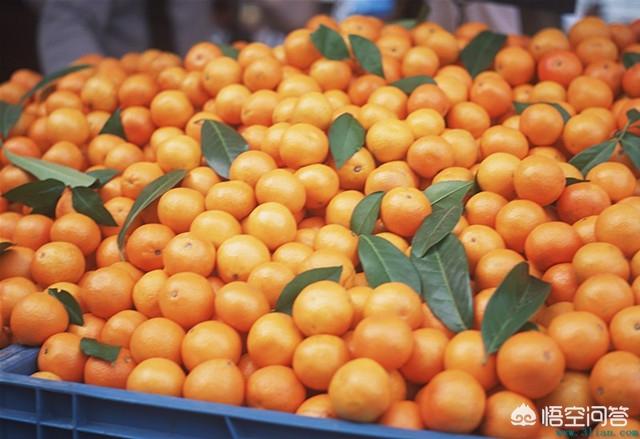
(216, 380)
(403, 414)
(229, 102)
(318, 406)
(239, 255)
(603, 294)
(138, 175)
(119, 208)
(323, 307)
(597, 48)
(453, 401)
(275, 388)
(499, 419)
(539, 179)
(145, 245)
(337, 237)
(483, 207)
(547, 39)
(504, 139)
(584, 130)
(321, 184)
(109, 374)
(551, 243)
(586, 91)
(478, 240)
(36, 317)
(515, 220)
(77, 229)
(425, 122)
(313, 108)
(270, 278)
(394, 299)
(428, 96)
(234, 197)
(465, 147)
(317, 358)
(157, 337)
(391, 98)
(210, 340)
(615, 178)
(239, 305)
(137, 89)
(68, 124)
(572, 390)
(32, 231)
(107, 291)
(330, 74)
(293, 254)
(563, 280)
(515, 64)
(303, 144)
(178, 207)
(91, 328)
(619, 225)
(157, 375)
(491, 93)
(581, 200)
(493, 267)
(188, 253)
(145, 293)
(587, 27)
(171, 108)
(389, 175)
(61, 354)
(137, 124)
(465, 352)
(469, 116)
(600, 257)
(561, 66)
(359, 390)
(16, 262)
(57, 262)
(496, 174)
(530, 363)
(614, 380)
(273, 339)
(403, 210)
(272, 223)
(429, 155)
(583, 338)
(118, 329)
(624, 329)
(542, 124)
(67, 154)
(386, 339)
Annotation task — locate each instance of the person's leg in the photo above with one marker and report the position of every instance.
(191, 22)
(127, 29)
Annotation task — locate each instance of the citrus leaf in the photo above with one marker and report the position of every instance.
(630, 59)
(367, 54)
(52, 77)
(93, 348)
(70, 304)
(570, 181)
(329, 43)
(521, 106)
(42, 195)
(410, 83)
(301, 281)
(382, 262)
(528, 326)
(446, 287)
(585, 160)
(346, 137)
(87, 202)
(9, 115)
(435, 227)
(365, 215)
(516, 299)
(102, 176)
(43, 170)
(113, 125)
(633, 115)
(452, 191)
(410, 23)
(407, 23)
(149, 194)
(229, 51)
(221, 144)
(478, 55)
(5, 247)
(631, 147)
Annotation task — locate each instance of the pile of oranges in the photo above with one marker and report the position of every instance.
(191, 304)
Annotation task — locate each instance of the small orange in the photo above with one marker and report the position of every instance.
(91, 327)
(109, 374)
(272, 223)
(625, 329)
(187, 252)
(498, 420)
(386, 339)
(61, 354)
(275, 388)
(551, 243)
(323, 307)
(539, 179)
(620, 225)
(615, 380)
(157, 337)
(403, 210)
(217, 380)
(604, 294)
(157, 375)
(107, 291)
(465, 352)
(394, 299)
(210, 340)
(239, 305)
(118, 328)
(581, 200)
(273, 339)
(600, 257)
(57, 262)
(583, 338)
(317, 358)
(318, 406)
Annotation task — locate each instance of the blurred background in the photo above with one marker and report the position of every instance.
(47, 34)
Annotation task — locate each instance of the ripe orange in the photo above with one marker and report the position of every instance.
(465, 352)
(498, 416)
(614, 380)
(386, 339)
(157, 375)
(157, 337)
(600, 257)
(551, 243)
(583, 338)
(317, 358)
(107, 291)
(217, 380)
(118, 328)
(275, 388)
(115, 374)
(273, 339)
(604, 294)
(60, 354)
(36, 317)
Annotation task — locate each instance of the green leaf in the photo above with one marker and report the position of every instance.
(5, 246)
(365, 215)
(570, 181)
(517, 298)
(93, 348)
(521, 106)
(446, 286)
(452, 191)
(43, 170)
(229, 51)
(113, 125)
(87, 202)
(382, 262)
(70, 304)
(102, 176)
(149, 194)
(478, 55)
(221, 144)
(585, 160)
(435, 227)
(42, 195)
(329, 43)
(367, 54)
(630, 59)
(301, 281)
(346, 137)
(9, 115)
(52, 77)
(410, 83)
(407, 23)
(633, 115)
(631, 146)
(528, 326)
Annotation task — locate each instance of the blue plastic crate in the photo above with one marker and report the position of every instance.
(41, 409)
